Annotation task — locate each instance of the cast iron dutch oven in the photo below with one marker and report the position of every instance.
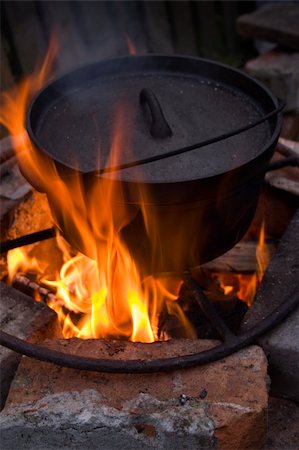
(202, 200)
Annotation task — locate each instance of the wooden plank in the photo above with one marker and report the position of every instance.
(157, 27)
(59, 19)
(208, 32)
(27, 33)
(230, 13)
(184, 27)
(99, 30)
(129, 18)
(240, 259)
(6, 76)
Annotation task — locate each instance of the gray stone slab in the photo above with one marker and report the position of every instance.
(282, 348)
(280, 72)
(274, 23)
(79, 420)
(22, 317)
(281, 345)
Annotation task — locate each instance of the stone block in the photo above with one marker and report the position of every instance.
(277, 22)
(280, 72)
(22, 317)
(282, 348)
(281, 345)
(220, 405)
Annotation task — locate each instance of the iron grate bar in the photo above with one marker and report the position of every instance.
(31, 238)
(209, 309)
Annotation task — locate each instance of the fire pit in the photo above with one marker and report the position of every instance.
(145, 225)
(123, 217)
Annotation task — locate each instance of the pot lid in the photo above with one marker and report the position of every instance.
(146, 106)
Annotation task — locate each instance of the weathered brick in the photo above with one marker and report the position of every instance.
(219, 405)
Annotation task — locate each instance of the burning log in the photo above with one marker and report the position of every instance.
(23, 283)
(240, 259)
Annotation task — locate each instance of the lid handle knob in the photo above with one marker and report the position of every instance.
(159, 126)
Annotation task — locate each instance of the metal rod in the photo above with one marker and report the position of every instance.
(31, 238)
(209, 309)
(24, 284)
(156, 365)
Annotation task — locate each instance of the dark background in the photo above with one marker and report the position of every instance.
(92, 30)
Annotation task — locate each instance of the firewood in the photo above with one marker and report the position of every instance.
(25, 284)
(287, 147)
(240, 259)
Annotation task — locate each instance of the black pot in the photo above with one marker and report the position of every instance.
(198, 203)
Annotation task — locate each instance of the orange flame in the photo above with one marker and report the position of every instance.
(131, 47)
(246, 285)
(19, 261)
(101, 297)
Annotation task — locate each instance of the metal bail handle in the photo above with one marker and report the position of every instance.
(213, 140)
(159, 127)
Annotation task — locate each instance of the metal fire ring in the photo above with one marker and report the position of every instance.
(231, 342)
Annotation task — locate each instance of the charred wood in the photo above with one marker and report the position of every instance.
(241, 258)
(27, 285)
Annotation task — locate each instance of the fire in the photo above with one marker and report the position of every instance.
(19, 261)
(243, 285)
(104, 295)
(131, 47)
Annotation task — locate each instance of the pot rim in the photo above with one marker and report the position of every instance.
(270, 143)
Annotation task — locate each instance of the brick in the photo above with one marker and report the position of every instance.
(219, 405)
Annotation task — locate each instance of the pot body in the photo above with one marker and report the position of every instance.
(175, 237)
